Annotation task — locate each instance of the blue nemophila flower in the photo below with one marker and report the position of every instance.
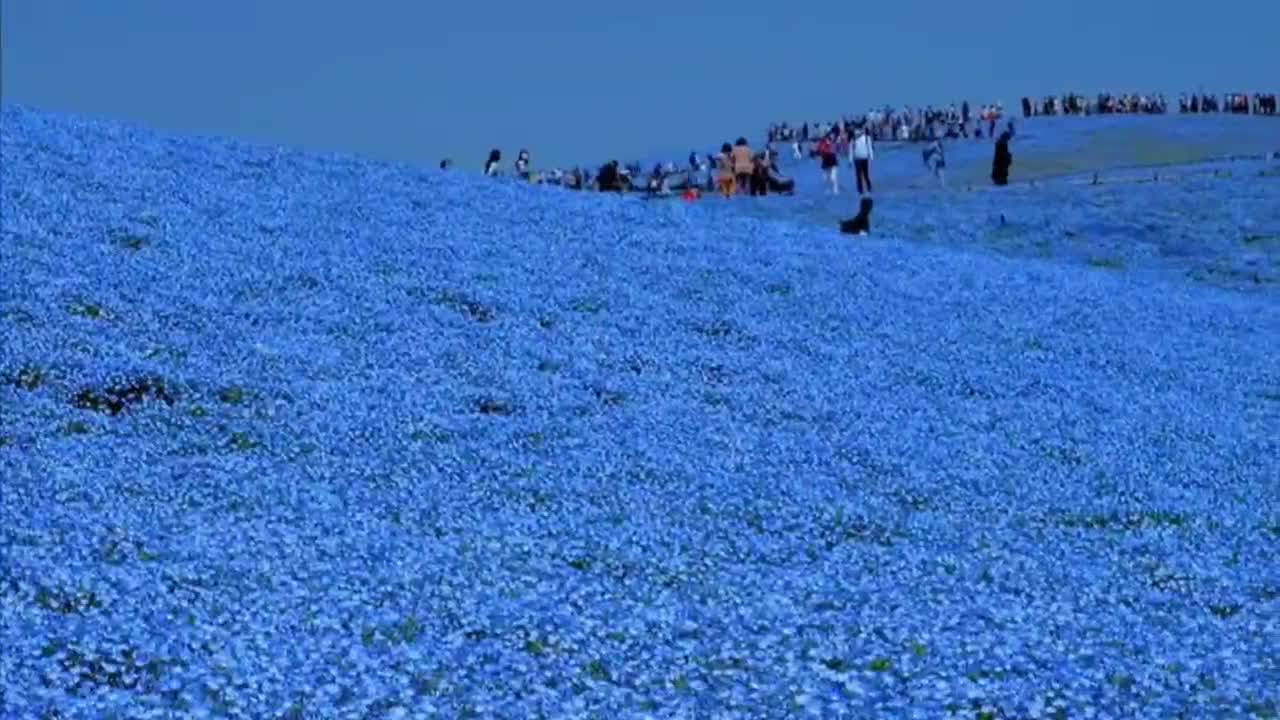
(352, 438)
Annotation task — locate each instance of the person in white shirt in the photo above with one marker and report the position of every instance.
(863, 153)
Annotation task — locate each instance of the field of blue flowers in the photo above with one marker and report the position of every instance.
(289, 435)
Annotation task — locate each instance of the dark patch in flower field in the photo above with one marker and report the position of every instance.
(116, 399)
(779, 288)
(67, 603)
(466, 305)
(1126, 522)
(839, 529)
(126, 669)
(76, 427)
(232, 395)
(495, 406)
(608, 397)
(588, 305)
(1261, 238)
(130, 240)
(243, 442)
(716, 374)
(28, 377)
(90, 310)
(1107, 263)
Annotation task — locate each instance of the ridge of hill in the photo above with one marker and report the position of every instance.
(290, 435)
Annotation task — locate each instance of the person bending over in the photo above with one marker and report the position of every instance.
(859, 224)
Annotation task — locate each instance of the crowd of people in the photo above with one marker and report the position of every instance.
(738, 169)
(1103, 104)
(1234, 103)
(1149, 104)
(907, 124)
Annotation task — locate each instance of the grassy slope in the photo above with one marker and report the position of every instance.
(439, 440)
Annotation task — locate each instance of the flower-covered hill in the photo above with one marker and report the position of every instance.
(289, 435)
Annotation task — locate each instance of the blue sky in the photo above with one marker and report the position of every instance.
(579, 81)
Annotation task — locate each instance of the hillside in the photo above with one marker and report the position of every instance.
(290, 435)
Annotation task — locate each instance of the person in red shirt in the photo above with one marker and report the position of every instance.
(830, 164)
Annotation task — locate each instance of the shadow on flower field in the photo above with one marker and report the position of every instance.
(289, 435)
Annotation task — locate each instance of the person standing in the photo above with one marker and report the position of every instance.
(522, 165)
(725, 177)
(743, 164)
(863, 153)
(1002, 160)
(936, 160)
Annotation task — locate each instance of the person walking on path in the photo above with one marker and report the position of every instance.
(863, 153)
(936, 160)
(830, 165)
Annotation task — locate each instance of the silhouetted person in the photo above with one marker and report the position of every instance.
(859, 224)
(760, 176)
(446, 164)
(608, 178)
(491, 165)
(1002, 161)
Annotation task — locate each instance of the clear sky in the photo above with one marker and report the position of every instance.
(575, 81)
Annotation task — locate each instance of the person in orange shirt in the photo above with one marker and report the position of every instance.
(744, 163)
(724, 165)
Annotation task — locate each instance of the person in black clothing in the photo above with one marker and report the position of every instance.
(491, 165)
(1026, 107)
(780, 185)
(1003, 160)
(859, 224)
(608, 178)
(759, 181)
